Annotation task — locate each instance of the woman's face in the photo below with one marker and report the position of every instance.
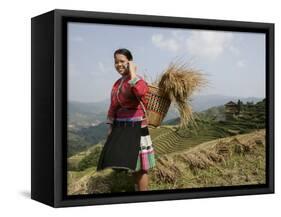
(120, 62)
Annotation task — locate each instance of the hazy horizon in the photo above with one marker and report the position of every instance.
(194, 97)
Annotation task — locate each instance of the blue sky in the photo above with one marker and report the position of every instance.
(232, 62)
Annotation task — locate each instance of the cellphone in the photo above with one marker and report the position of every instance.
(127, 66)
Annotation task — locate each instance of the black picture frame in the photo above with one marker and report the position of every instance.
(49, 107)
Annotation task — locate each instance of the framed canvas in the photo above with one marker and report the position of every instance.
(135, 108)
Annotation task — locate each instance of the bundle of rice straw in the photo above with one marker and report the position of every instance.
(178, 82)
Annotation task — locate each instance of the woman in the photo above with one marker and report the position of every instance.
(128, 145)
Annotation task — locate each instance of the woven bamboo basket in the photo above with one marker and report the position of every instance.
(157, 106)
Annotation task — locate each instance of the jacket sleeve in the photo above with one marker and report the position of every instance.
(110, 115)
(139, 86)
(114, 105)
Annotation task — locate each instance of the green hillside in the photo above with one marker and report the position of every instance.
(210, 124)
(241, 135)
(236, 160)
(76, 143)
(83, 138)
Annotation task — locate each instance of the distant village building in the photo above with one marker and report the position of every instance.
(231, 108)
(243, 111)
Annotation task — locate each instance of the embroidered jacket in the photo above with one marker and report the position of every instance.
(125, 96)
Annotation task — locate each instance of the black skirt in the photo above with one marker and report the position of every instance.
(121, 148)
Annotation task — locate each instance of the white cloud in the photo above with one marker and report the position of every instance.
(170, 44)
(198, 43)
(208, 44)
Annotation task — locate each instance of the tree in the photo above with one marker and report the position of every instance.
(239, 103)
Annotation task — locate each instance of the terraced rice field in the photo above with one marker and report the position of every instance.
(167, 140)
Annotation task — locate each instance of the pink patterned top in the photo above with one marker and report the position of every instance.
(125, 96)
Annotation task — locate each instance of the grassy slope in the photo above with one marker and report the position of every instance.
(236, 160)
(167, 139)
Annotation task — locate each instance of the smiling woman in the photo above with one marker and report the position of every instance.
(128, 145)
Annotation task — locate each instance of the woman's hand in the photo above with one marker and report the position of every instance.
(132, 69)
(109, 130)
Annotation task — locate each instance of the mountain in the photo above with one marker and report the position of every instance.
(211, 153)
(75, 143)
(218, 112)
(94, 134)
(81, 114)
(87, 107)
(204, 102)
(85, 137)
(87, 120)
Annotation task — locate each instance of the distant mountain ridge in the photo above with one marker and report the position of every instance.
(203, 102)
(92, 113)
